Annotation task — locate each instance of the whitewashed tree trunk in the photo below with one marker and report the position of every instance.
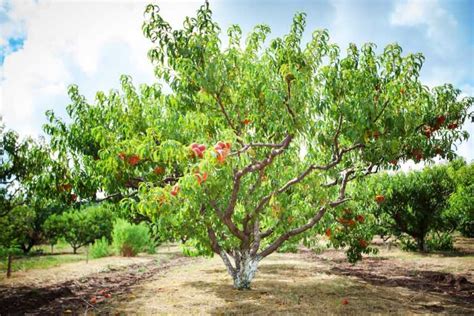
(244, 269)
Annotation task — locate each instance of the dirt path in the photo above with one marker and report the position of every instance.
(303, 283)
(299, 284)
(74, 287)
(69, 271)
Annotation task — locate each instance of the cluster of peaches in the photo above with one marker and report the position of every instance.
(349, 221)
(222, 150)
(67, 187)
(429, 129)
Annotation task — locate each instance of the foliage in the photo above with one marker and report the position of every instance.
(440, 242)
(100, 248)
(82, 227)
(435, 241)
(130, 239)
(461, 202)
(255, 144)
(17, 226)
(414, 202)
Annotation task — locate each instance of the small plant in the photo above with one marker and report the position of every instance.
(100, 248)
(129, 239)
(434, 242)
(151, 248)
(440, 242)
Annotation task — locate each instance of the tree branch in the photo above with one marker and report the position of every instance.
(315, 219)
(381, 111)
(221, 105)
(258, 165)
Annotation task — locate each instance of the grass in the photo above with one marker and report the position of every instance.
(40, 262)
(40, 257)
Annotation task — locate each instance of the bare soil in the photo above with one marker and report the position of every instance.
(304, 283)
(75, 287)
(393, 282)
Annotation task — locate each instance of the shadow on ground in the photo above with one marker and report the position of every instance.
(285, 288)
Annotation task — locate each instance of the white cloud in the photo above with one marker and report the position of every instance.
(68, 42)
(438, 22)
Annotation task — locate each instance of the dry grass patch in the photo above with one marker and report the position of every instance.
(285, 284)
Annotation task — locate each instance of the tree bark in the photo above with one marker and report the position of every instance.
(9, 265)
(27, 247)
(244, 269)
(420, 241)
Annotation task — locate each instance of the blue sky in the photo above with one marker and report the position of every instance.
(46, 45)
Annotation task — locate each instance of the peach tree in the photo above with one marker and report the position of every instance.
(276, 131)
(253, 144)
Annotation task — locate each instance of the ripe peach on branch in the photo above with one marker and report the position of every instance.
(198, 150)
(379, 198)
(222, 149)
(133, 160)
(175, 190)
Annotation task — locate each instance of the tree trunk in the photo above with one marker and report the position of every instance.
(27, 247)
(52, 248)
(421, 244)
(244, 270)
(74, 249)
(9, 265)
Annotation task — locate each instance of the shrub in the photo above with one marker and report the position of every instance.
(434, 242)
(100, 248)
(289, 247)
(151, 248)
(129, 239)
(440, 242)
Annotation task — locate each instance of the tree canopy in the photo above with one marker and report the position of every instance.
(256, 141)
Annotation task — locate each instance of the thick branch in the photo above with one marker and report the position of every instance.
(228, 222)
(315, 219)
(258, 165)
(303, 175)
(217, 249)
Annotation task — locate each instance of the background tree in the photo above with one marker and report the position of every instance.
(414, 203)
(461, 203)
(16, 225)
(81, 227)
(21, 161)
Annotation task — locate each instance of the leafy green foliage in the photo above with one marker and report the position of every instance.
(130, 239)
(461, 202)
(82, 227)
(16, 228)
(414, 202)
(100, 248)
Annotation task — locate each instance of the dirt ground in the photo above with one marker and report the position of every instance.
(392, 282)
(305, 283)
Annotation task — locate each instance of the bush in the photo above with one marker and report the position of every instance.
(440, 242)
(129, 239)
(100, 248)
(151, 248)
(434, 242)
